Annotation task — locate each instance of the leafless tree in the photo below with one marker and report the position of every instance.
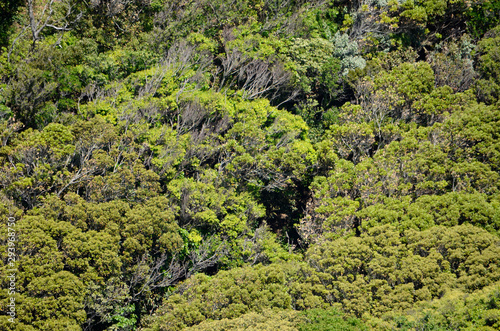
(85, 170)
(367, 22)
(167, 269)
(58, 15)
(54, 14)
(205, 256)
(257, 78)
(453, 66)
(179, 61)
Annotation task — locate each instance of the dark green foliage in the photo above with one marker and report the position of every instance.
(483, 16)
(8, 12)
(488, 87)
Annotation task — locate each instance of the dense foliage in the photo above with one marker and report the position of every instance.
(251, 164)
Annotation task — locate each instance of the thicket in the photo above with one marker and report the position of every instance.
(251, 164)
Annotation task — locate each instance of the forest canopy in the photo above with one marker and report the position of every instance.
(250, 164)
